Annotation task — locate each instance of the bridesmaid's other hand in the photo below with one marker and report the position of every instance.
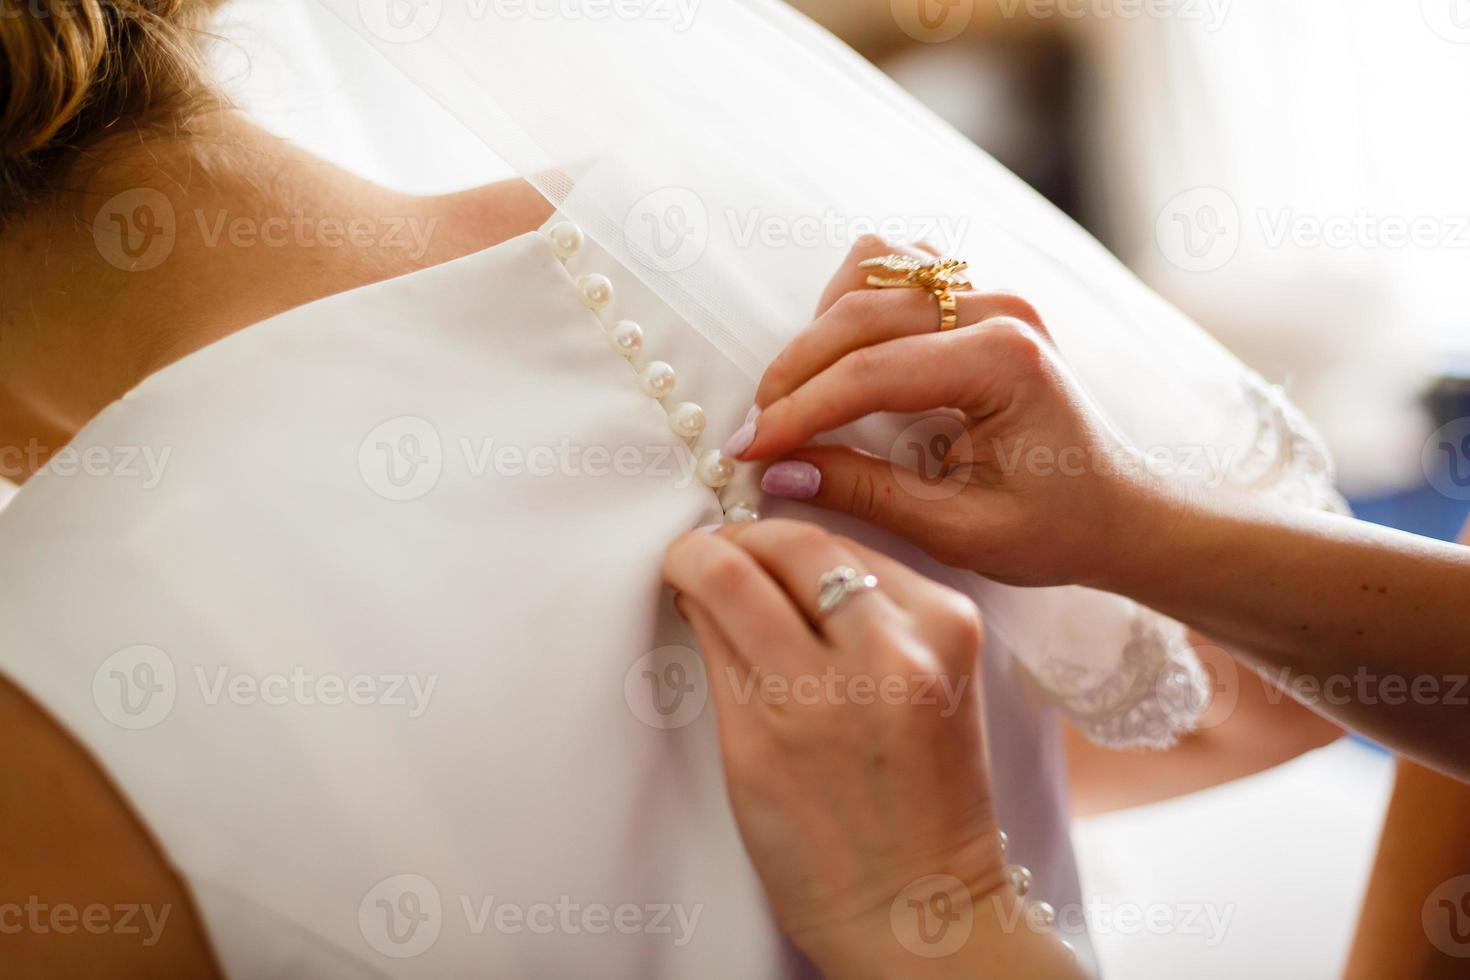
(1039, 490)
(854, 754)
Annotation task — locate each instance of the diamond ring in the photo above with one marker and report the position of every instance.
(840, 584)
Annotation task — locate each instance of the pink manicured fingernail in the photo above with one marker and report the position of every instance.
(708, 528)
(792, 479)
(743, 437)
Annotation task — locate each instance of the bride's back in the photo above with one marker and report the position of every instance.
(365, 633)
(140, 221)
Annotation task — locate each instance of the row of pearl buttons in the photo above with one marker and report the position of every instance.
(687, 420)
(656, 378)
(1019, 877)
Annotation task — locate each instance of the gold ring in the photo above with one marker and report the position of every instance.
(949, 316)
(939, 276)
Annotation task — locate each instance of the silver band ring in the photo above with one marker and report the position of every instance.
(838, 585)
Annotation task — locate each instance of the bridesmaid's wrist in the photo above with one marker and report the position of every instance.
(994, 934)
(1154, 520)
(920, 928)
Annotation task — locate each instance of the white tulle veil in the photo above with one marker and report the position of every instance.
(728, 153)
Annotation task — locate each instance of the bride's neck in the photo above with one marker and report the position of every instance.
(171, 242)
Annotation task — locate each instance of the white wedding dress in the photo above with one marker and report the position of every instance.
(448, 492)
(381, 657)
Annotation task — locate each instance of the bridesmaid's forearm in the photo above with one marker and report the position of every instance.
(1367, 625)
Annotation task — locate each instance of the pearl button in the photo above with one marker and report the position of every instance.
(715, 470)
(741, 513)
(1042, 915)
(687, 419)
(626, 337)
(657, 379)
(596, 291)
(565, 238)
(1019, 878)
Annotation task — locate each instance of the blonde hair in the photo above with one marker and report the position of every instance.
(74, 72)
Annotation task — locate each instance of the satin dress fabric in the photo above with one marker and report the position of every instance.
(381, 656)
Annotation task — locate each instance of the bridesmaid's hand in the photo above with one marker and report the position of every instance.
(854, 754)
(1037, 490)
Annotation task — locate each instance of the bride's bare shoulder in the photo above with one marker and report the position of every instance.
(176, 245)
(487, 215)
(94, 895)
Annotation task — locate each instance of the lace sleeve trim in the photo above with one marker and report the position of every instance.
(1156, 692)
